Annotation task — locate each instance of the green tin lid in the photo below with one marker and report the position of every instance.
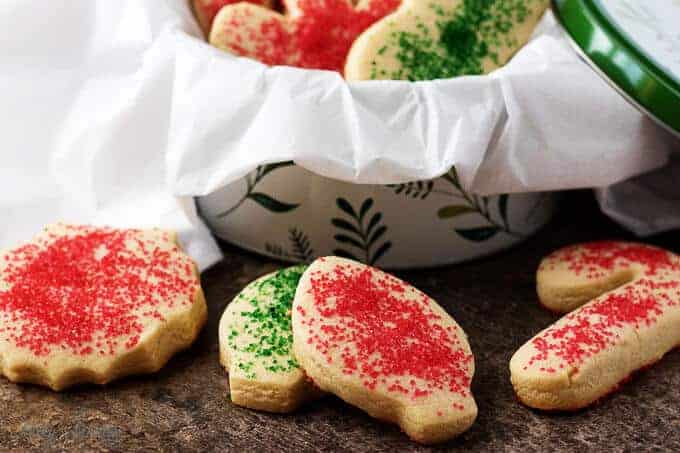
(635, 46)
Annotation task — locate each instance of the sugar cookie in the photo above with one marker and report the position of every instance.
(632, 321)
(385, 347)
(256, 341)
(315, 34)
(81, 304)
(206, 10)
(572, 276)
(438, 39)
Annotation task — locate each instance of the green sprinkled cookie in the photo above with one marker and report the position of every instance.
(439, 39)
(256, 340)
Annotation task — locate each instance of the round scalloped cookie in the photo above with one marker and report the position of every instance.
(82, 304)
(313, 34)
(256, 342)
(632, 320)
(206, 10)
(385, 347)
(439, 39)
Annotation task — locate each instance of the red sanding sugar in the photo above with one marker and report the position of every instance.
(595, 258)
(385, 334)
(86, 292)
(598, 325)
(318, 37)
(212, 7)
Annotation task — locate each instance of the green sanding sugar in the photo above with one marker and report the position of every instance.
(263, 334)
(465, 36)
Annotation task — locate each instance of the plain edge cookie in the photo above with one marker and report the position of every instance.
(154, 350)
(576, 388)
(362, 55)
(367, 51)
(415, 421)
(276, 397)
(558, 292)
(257, 14)
(566, 394)
(573, 388)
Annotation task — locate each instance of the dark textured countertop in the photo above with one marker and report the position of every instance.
(186, 405)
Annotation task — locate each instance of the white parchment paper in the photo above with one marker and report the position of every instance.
(117, 113)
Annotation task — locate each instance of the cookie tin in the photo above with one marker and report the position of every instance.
(635, 46)
(287, 212)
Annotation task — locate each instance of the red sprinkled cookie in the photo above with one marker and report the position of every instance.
(383, 346)
(206, 10)
(572, 276)
(631, 319)
(314, 34)
(82, 304)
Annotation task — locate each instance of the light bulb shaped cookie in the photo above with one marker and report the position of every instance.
(438, 39)
(630, 319)
(256, 345)
(385, 347)
(82, 304)
(313, 34)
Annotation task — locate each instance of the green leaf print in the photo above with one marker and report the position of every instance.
(477, 234)
(356, 233)
(264, 200)
(418, 189)
(300, 247)
(448, 212)
(272, 204)
(493, 210)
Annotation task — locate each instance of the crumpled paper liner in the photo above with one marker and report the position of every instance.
(118, 112)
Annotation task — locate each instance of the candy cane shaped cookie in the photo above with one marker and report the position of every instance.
(632, 320)
(572, 276)
(206, 10)
(256, 342)
(82, 304)
(314, 34)
(385, 347)
(437, 39)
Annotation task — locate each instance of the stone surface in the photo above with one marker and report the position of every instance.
(186, 405)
